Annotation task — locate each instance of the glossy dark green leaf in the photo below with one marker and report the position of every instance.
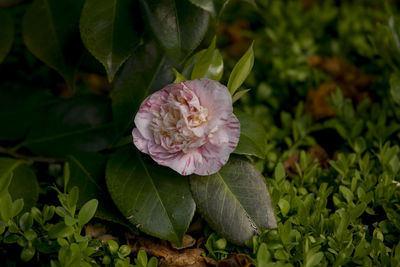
(81, 124)
(110, 30)
(87, 173)
(253, 138)
(154, 198)
(50, 30)
(235, 201)
(149, 69)
(241, 70)
(24, 185)
(177, 24)
(7, 34)
(214, 7)
(24, 110)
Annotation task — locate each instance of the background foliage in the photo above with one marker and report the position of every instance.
(320, 123)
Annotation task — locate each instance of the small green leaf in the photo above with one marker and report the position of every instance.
(315, 259)
(235, 201)
(17, 207)
(241, 70)
(142, 258)
(60, 230)
(239, 94)
(112, 246)
(52, 34)
(279, 173)
(7, 34)
(284, 206)
(25, 221)
(209, 64)
(263, 256)
(110, 30)
(5, 207)
(347, 194)
(27, 254)
(178, 77)
(87, 212)
(153, 262)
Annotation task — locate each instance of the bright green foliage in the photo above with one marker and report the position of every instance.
(241, 70)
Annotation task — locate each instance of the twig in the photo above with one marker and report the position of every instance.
(13, 154)
(8, 3)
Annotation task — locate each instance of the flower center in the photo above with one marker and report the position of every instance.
(179, 123)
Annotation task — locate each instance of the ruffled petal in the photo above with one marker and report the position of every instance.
(139, 141)
(216, 153)
(215, 97)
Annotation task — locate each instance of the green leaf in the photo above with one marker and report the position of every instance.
(253, 138)
(24, 185)
(7, 166)
(87, 212)
(204, 61)
(7, 34)
(347, 194)
(17, 207)
(178, 76)
(177, 24)
(241, 70)
(110, 31)
(60, 230)
(214, 7)
(87, 173)
(280, 172)
(284, 206)
(50, 29)
(154, 198)
(25, 110)
(263, 256)
(235, 201)
(315, 259)
(81, 124)
(27, 253)
(149, 69)
(208, 63)
(238, 95)
(395, 87)
(5, 207)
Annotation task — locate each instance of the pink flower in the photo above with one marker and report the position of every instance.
(188, 126)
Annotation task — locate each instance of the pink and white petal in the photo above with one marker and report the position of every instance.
(213, 96)
(211, 165)
(233, 129)
(139, 141)
(183, 163)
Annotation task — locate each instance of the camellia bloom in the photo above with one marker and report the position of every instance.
(188, 126)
